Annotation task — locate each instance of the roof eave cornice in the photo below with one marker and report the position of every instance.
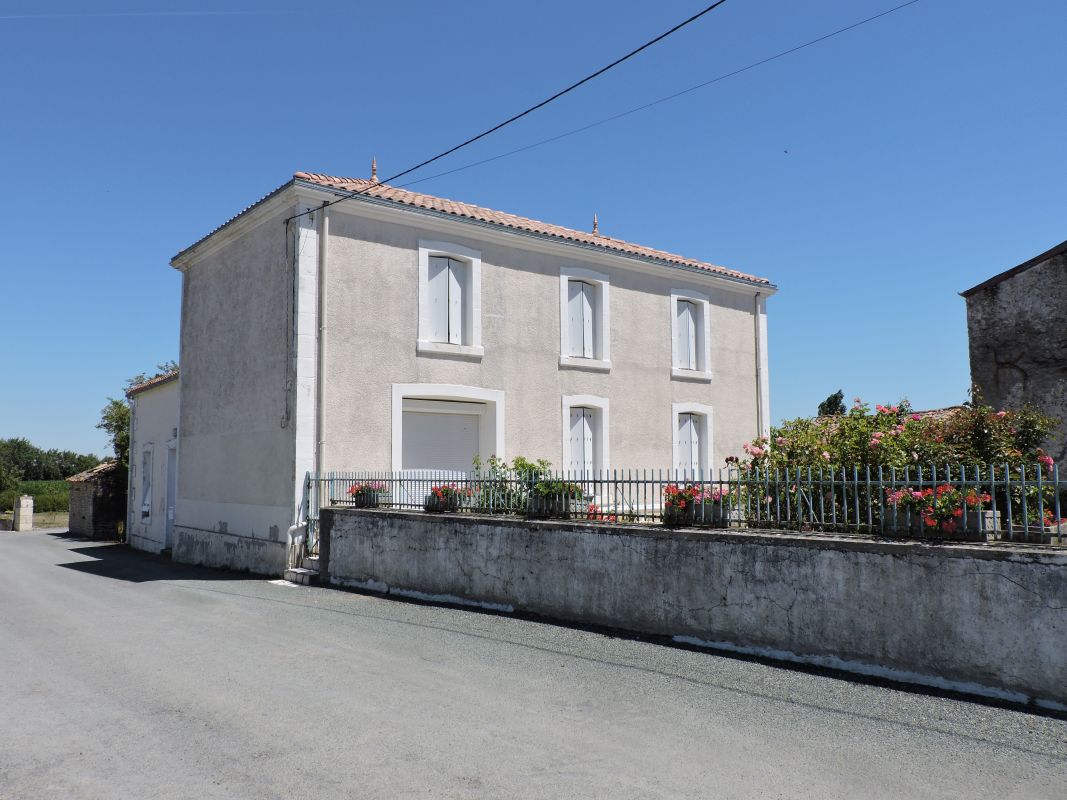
(311, 190)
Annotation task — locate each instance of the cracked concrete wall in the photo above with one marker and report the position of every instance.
(1017, 331)
(972, 615)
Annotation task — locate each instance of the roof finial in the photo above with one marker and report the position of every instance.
(596, 225)
(373, 169)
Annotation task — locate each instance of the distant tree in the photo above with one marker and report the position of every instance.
(9, 477)
(115, 416)
(833, 406)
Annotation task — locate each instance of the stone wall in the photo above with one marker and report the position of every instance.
(1017, 331)
(98, 507)
(975, 618)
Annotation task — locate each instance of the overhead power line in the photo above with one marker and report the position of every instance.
(542, 104)
(665, 99)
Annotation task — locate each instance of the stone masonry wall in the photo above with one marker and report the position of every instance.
(1017, 331)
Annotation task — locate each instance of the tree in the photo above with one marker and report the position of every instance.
(9, 477)
(833, 406)
(115, 420)
(115, 416)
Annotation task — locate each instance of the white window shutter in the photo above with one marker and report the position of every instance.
(694, 443)
(455, 301)
(692, 335)
(686, 333)
(575, 320)
(576, 456)
(689, 444)
(587, 443)
(588, 307)
(437, 291)
(146, 482)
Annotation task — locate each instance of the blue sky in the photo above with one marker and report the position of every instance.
(872, 177)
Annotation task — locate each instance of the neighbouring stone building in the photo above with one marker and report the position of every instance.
(98, 501)
(1017, 331)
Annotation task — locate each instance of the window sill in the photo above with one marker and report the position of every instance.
(591, 364)
(695, 375)
(465, 351)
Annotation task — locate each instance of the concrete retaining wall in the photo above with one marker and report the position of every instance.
(975, 618)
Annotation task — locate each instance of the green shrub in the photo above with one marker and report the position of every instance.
(47, 495)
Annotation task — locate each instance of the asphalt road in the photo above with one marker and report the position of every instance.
(126, 676)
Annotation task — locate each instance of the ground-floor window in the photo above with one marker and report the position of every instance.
(585, 434)
(692, 438)
(442, 427)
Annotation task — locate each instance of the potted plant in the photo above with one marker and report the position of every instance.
(442, 499)
(939, 513)
(365, 495)
(710, 506)
(680, 504)
(549, 498)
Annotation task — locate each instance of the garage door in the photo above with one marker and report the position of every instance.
(440, 441)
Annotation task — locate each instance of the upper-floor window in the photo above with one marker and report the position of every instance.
(581, 314)
(690, 335)
(447, 277)
(584, 319)
(450, 307)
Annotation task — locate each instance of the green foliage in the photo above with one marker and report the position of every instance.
(894, 436)
(834, 405)
(115, 421)
(21, 458)
(9, 477)
(47, 495)
(115, 416)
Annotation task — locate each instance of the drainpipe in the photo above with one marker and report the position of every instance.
(759, 370)
(320, 380)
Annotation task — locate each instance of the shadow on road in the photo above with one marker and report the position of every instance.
(117, 561)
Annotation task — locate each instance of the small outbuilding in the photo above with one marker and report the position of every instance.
(153, 479)
(98, 501)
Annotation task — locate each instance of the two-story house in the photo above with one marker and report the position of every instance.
(398, 331)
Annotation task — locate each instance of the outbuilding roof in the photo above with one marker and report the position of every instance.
(98, 472)
(152, 383)
(1058, 250)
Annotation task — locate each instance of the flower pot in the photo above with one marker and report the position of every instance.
(711, 514)
(675, 516)
(367, 499)
(550, 506)
(434, 504)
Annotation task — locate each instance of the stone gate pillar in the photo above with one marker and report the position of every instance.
(23, 519)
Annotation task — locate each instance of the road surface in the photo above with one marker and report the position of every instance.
(126, 676)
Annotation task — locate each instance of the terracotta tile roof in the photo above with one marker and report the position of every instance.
(1048, 255)
(151, 383)
(403, 197)
(97, 472)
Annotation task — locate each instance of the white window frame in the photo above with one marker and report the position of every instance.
(491, 422)
(147, 480)
(706, 417)
(601, 360)
(602, 420)
(472, 301)
(702, 373)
